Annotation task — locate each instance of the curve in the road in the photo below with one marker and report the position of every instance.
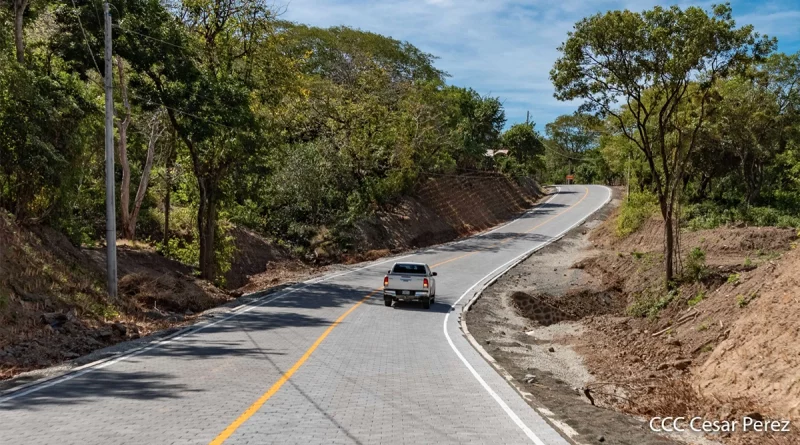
(365, 376)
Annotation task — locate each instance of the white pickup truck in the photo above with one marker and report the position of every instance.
(409, 282)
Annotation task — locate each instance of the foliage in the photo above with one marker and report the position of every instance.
(634, 212)
(694, 268)
(697, 298)
(651, 302)
(662, 65)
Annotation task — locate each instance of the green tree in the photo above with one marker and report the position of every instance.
(522, 142)
(656, 63)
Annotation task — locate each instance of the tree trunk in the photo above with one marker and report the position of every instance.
(666, 213)
(125, 187)
(145, 179)
(19, 31)
(207, 225)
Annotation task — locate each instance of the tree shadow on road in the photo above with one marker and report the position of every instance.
(102, 383)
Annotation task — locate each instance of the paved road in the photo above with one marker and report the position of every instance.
(319, 363)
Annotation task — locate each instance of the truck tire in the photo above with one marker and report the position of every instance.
(426, 303)
(387, 302)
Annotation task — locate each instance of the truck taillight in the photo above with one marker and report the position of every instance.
(385, 281)
(425, 282)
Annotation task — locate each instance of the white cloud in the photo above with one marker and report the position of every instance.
(501, 47)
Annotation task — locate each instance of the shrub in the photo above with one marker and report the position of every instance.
(634, 212)
(649, 304)
(734, 277)
(695, 266)
(697, 298)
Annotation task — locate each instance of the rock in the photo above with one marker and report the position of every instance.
(155, 315)
(601, 438)
(54, 319)
(681, 364)
(529, 378)
(189, 312)
(662, 367)
(71, 355)
(755, 416)
(121, 328)
(673, 342)
(488, 342)
(551, 349)
(104, 333)
(725, 411)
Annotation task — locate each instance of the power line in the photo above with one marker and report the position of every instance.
(85, 39)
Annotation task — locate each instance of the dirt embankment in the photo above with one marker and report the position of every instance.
(446, 208)
(53, 305)
(725, 344)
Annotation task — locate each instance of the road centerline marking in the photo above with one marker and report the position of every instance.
(255, 406)
(252, 409)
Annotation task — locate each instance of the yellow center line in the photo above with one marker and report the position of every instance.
(288, 374)
(285, 377)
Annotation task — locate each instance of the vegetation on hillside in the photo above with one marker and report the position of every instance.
(228, 115)
(225, 114)
(698, 112)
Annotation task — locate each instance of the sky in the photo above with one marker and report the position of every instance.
(506, 48)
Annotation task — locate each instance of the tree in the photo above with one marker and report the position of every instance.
(522, 142)
(19, 7)
(574, 133)
(657, 64)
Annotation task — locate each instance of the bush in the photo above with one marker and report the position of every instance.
(634, 212)
(649, 304)
(695, 266)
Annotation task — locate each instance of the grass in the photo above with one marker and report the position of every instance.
(634, 212)
(707, 348)
(734, 278)
(742, 301)
(649, 304)
(703, 327)
(697, 298)
(748, 262)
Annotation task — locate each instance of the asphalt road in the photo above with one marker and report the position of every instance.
(322, 362)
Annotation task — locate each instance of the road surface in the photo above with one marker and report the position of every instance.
(319, 363)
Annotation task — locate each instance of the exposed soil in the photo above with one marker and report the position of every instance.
(53, 306)
(537, 350)
(722, 346)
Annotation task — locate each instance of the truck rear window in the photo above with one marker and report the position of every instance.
(409, 268)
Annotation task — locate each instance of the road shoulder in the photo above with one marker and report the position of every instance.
(548, 373)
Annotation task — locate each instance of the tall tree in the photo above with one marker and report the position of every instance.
(19, 7)
(655, 63)
(522, 142)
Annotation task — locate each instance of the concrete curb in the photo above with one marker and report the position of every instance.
(546, 414)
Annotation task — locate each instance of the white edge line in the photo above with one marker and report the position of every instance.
(102, 363)
(502, 270)
(32, 387)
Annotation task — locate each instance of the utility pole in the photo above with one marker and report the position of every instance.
(111, 208)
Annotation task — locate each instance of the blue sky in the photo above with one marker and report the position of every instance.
(506, 48)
